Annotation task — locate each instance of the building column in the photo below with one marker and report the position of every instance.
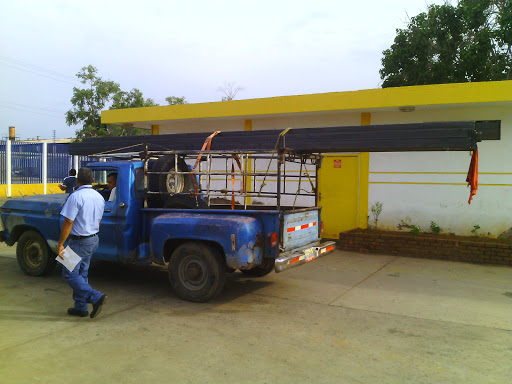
(364, 176)
(155, 129)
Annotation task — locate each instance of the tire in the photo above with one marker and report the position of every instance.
(167, 182)
(261, 270)
(33, 254)
(196, 272)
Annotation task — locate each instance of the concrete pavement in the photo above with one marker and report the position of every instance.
(345, 318)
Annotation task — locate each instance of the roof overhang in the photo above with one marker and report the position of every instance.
(428, 96)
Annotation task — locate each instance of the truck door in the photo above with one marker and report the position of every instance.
(107, 249)
(108, 240)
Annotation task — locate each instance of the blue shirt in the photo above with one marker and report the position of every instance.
(70, 183)
(85, 208)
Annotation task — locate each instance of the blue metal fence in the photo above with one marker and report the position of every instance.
(59, 162)
(27, 162)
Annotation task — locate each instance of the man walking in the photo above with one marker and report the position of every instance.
(82, 215)
(69, 183)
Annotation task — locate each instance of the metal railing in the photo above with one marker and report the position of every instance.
(227, 177)
(36, 163)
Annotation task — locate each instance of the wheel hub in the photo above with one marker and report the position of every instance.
(33, 254)
(174, 183)
(193, 273)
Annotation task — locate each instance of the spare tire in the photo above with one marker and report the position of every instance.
(171, 184)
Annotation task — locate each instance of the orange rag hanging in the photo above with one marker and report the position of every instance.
(472, 178)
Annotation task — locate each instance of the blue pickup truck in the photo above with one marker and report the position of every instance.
(198, 242)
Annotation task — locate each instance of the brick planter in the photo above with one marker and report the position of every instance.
(454, 248)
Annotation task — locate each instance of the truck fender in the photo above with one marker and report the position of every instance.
(240, 237)
(12, 236)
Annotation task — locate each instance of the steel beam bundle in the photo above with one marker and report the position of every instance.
(442, 136)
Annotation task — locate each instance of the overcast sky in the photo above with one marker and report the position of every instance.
(187, 48)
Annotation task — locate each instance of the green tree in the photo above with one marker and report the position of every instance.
(175, 100)
(89, 101)
(97, 94)
(132, 99)
(470, 41)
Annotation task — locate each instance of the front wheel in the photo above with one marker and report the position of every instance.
(196, 272)
(33, 254)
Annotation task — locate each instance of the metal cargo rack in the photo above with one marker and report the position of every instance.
(241, 167)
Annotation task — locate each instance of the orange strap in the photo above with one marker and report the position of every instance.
(472, 178)
(207, 145)
(232, 185)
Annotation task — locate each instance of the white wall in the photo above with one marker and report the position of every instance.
(311, 120)
(201, 125)
(447, 205)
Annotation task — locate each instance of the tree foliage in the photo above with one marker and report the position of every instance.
(88, 102)
(468, 42)
(132, 99)
(175, 100)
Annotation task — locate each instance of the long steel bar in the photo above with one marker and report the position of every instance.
(397, 137)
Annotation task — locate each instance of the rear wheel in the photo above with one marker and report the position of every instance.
(261, 270)
(33, 254)
(196, 272)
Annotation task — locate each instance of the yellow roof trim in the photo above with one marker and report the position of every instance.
(439, 94)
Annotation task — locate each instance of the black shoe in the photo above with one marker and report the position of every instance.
(77, 312)
(96, 307)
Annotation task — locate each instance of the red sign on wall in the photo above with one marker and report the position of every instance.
(337, 163)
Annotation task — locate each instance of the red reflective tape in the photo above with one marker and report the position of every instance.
(294, 260)
(299, 227)
(329, 248)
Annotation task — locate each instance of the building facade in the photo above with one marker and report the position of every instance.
(414, 188)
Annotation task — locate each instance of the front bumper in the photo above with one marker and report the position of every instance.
(303, 256)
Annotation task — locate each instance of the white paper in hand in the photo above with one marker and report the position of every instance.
(71, 259)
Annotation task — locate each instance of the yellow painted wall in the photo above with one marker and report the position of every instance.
(19, 190)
